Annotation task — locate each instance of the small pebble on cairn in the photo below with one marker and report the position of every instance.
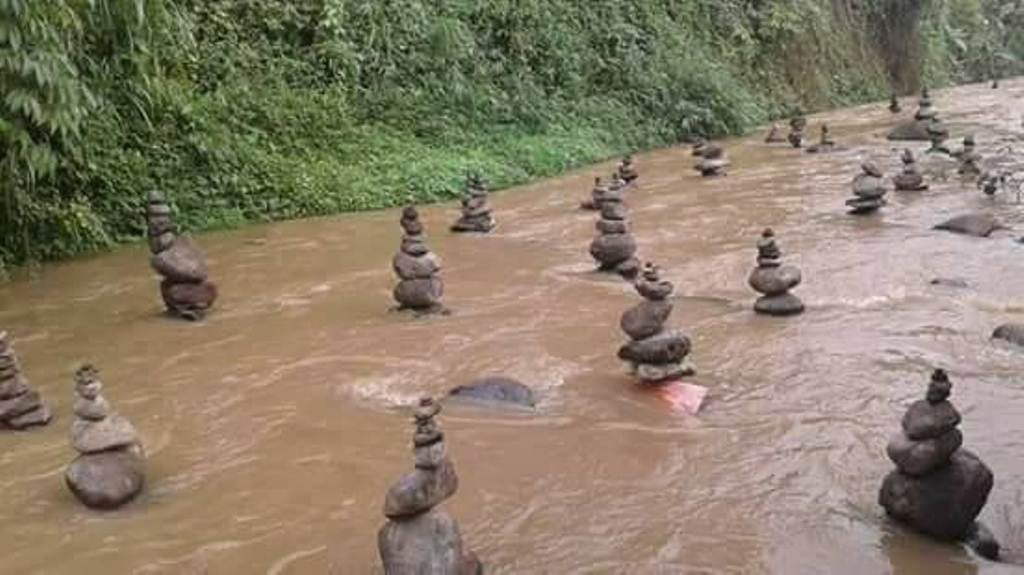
(655, 355)
(476, 214)
(20, 405)
(869, 190)
(627, 170)
(108, 472)
(713, 161)
(418, 537)
(418, 269)
(614, 247)
(910, 179)
(937, 488)
(186, 289)
(774, 280)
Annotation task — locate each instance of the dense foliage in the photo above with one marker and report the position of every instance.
(249, 110)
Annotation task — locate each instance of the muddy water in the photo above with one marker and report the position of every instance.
(275, 427)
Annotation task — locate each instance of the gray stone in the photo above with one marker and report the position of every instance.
(106, 480)
(982, 541)
(1011, 332)
(13, 387)
(919, 457)
(942, 504)
(612, 249)
(182, 262)
(96, 436)
(911, 131)
(774, 280)
(645, 319)
(93, 410)
(420, 294)
(612, 226)
(41, 415)
(667, 347)
(190, 301)
(865, 205)
(427, 544)
(24, 403)
(421, 490)
(978, 225)
(779, 305)
(408, 267)
(909, 182)
(950, 282)
(497, 389)
(926, 420)
(649, 373)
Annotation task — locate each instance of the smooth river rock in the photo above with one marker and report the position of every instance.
(106, 480)
(420, 490)
(926, 420)
(922, 456)
(427, 544)
(645, 319)
(1010, 332)
(496, 389)
(978, 225)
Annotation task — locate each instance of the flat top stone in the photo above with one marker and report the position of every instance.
(95, 436)
(925, 420)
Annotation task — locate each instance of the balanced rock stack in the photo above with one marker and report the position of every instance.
(186, 289)
(597, 194)
(418, 538)
(419, 287)
(614, 247)
(825, 144)
(627, 170)
(910, 179)
(713, 161)
(796, 131)
(109, 469)
(970, 159)
(924, 123)
(20, 405)
(937, 488)
(655, 355)
(869, 190)
(774, 280)
(937, 134)
(894, 104)
(698, 147)
(476, 214)
(775, 135)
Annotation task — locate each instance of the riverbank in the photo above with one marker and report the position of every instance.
(246, 112)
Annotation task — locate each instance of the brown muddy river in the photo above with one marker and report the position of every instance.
(274, 428)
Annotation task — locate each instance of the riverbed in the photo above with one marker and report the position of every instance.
(274, 427)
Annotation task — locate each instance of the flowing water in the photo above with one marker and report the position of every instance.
(275, 427)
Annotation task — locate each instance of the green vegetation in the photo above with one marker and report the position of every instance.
(255, 110)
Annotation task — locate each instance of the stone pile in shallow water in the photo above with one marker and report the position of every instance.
(970, 159)
(775, 135)
(796, 131)
(597, 195)
(910, 179)
(477, 215)
(894, 104)
(186, 289)
(418, 537)
(774, 280)
(712, 161)
(654, 354)
(614, 246)
(109, 469)
(924, 124)
(697, 149)
(627, 171)
(937, 488)
(869, 190)
(20, 405)
(418, 269)
(937, 136)
(825, 142)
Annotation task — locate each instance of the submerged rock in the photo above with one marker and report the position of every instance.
(1010, 332)
(496, 389)
(974, 224)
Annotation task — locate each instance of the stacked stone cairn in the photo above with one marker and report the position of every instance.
(713, 161)
(825, 144)
(20, 405)
(869, 190)
(597, 194)
(924, 123)
(476, 214)
(775, 135)
(109, 469)
(418, 537)
(627, 170)
(614, 247)
(655, 355)
(894, 104)
(774, 280)
(970, 159)
(419, 284)
(937, 134)
(937, 488)
(910, 179)
(698, 147)
(186, 289)
(796, 131)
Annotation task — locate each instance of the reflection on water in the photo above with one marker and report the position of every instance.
(275, 427)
